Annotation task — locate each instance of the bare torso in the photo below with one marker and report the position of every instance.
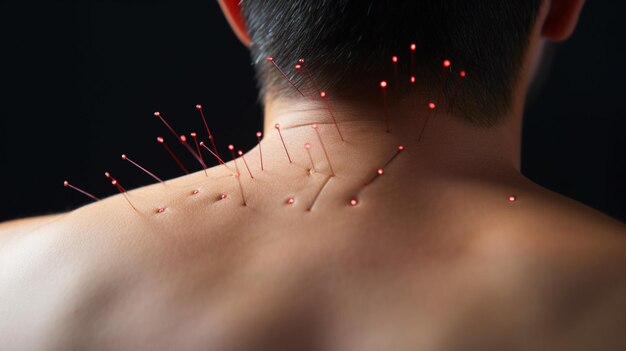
(422, 262)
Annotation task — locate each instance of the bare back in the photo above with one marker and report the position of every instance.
(440, 264)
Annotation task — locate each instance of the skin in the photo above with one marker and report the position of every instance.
(433, 257)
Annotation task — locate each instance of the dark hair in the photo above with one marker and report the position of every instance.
(348, 45)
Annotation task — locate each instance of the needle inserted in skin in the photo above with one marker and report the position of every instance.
(317, 195)
(68, 185)
(126, 158)
(120, 188)
(161, 141)
(319, 137)
(271, 59)
(258, 137)
(277, 126)
(206, 125)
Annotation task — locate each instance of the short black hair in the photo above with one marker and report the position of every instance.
(348, 44)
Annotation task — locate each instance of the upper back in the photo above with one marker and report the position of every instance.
(459, 267)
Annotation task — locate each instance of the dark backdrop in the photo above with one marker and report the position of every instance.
(82, 79)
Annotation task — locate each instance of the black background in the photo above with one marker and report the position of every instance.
(82, 79)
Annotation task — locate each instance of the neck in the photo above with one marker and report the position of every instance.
(447, 144)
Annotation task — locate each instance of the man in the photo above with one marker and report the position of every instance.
(351, 243)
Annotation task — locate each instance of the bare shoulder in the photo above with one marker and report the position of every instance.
(66, 279)
(541, 214)
(49, 267)
(25, 225)
(570, 264)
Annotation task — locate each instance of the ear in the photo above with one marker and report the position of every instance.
(233, 14)
(561, 19)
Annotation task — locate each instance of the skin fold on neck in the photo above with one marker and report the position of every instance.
(448, 143)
